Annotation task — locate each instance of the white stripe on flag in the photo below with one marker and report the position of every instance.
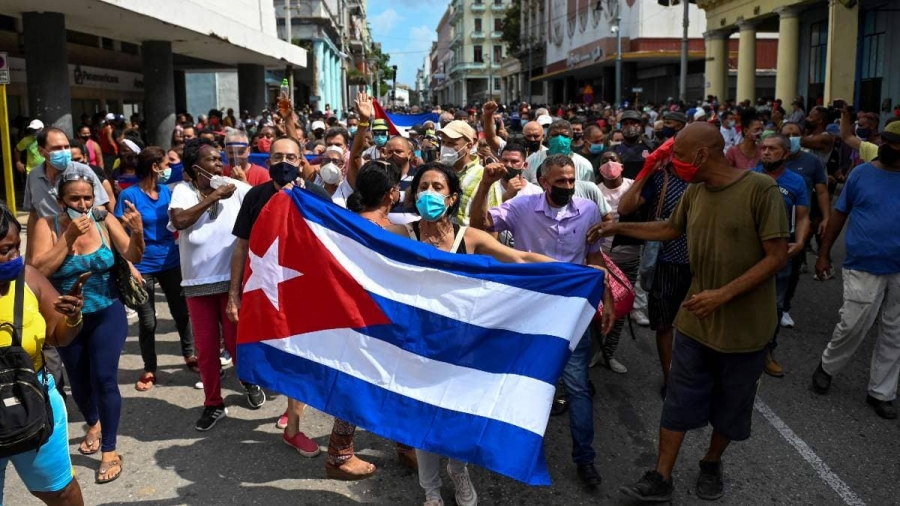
(517, 400)
(475, 301)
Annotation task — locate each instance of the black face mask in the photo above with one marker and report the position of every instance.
(772, 166)
(533, 146)
(511, 172)
(668, 132)
(561, 196)
(888, 155)
(283, 173)
(577, 136)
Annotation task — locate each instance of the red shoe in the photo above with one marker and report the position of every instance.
(282, 421)
(306, 446)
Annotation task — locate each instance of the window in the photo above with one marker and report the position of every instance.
(498, 54)
(818, 46)
(477, 24)
(83, 39)
(106, 43)
(477, 56)
(871, 61)
(496, 83)
(128, 47)
(498, 24)
(498, 2)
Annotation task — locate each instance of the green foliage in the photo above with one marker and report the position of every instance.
(512, 23)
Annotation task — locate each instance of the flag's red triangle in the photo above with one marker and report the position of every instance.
(380, 114)
(324, 297)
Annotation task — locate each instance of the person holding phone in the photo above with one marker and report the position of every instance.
(66, 247)
(51, 319)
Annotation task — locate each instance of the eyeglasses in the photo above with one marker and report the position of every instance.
(281, 157)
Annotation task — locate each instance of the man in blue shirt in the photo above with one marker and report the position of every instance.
(871, 275)
(772, 161)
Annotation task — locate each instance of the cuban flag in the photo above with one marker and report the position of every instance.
(399, 124)
(451, 353)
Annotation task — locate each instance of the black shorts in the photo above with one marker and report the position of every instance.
(710, 387)
(670, 286)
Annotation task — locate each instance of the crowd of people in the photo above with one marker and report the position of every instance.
(710, 211)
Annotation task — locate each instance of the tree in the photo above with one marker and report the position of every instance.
(382, 64)
(512, 24)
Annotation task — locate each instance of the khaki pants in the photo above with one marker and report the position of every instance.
(867, 298)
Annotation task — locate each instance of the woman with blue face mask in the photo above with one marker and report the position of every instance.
(161, 264)
(80, 240)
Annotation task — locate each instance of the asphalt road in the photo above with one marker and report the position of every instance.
(805, 448)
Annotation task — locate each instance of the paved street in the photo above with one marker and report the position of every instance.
(805, 449)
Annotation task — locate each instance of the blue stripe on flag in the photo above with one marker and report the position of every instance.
(555, 278)
(497, 446)
(456, 342)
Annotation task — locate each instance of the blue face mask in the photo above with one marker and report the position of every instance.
(75, 213)
(10, 270)
(431, 205)
(352, 131)
(795, 145)
(380, 140)
(596, 149)
(559, 145)
(61, 158)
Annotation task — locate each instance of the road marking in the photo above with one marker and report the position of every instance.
(822, 469)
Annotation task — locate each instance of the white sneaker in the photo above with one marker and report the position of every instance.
(225, 358)
(131, 314)
(616, 366)
(640, 318)
(786, 321)
(465, 492)
(198, 385)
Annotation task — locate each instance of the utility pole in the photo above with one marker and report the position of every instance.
(682, 79)
(394, 92)
(289, 69)
(490, 88)
(618, 27)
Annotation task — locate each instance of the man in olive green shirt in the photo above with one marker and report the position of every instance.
(737, 235)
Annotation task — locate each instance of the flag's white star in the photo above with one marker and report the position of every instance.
(268, 274)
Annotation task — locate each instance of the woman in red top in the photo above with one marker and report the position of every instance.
(745, 155)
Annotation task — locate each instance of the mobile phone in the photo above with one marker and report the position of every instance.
(839, 104)
(79, 284)
(99, 213)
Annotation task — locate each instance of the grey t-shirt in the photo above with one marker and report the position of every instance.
(40, 192)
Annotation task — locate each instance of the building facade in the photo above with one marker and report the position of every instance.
(441, 62)
(472, 70)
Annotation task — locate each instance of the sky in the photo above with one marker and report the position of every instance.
(405, 29)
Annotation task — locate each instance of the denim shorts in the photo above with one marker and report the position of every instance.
(710, 387)
(49, 469)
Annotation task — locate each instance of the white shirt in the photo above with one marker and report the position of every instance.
(207, 245)
(341, 194)
(613, 196)
(583, 168)
(730, 135)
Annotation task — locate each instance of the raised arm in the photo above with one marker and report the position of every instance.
(632, 200)
(47, 255)
(847, 135)
(131, 247)
(487, 124)
(365, 110)
(479, 217)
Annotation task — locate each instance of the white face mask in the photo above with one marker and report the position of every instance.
(217, 181)
(449, 156)
(331, 173)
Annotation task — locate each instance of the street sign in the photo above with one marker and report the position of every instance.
(637, 90)
(4, 67)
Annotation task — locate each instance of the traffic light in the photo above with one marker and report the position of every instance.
(395, 71)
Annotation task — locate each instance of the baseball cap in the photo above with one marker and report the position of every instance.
(891, 132)
(676, 116)
(36, 125)
(544, 120)
(699, 114)
(379, 124)
(318, 125)
(456, 129)
(110, 116)
(632, 115)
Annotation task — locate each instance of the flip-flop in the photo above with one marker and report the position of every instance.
(192, 363)
(106, 467)
(90, 444)
(145, 382)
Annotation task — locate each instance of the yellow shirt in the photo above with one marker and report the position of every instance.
(34, 328)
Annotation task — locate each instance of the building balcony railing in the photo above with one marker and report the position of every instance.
(500, 8)
(496, 35)
(479, 7)
(455, 13)
(456, 39)
(477, 36)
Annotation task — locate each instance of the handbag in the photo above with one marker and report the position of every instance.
(131, 291)
(622, 291)
(650, 254)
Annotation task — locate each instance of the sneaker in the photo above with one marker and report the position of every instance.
(786, 320)
(589, 475)
(616, 366)
(304, 445)
(651, 488)
(131, 314)
(211, 415)
(434, 502)
(821, 380)
(199, 385)
(255, 396)
(773, 368)
(709, 484)
(639, 317)
(465, 493)
(884, 409)
(225, 358)
(282, 421)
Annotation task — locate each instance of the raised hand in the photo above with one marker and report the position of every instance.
(78, 227)
(364, 107)
(131, 218)
(489, 108)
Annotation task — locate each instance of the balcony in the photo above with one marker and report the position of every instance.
(479, 7)
(467, 66)
(456, 39)
(498, 8)
(455, 14)
(477, 36)
(496, 35)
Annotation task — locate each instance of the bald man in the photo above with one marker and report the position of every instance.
(737, 235)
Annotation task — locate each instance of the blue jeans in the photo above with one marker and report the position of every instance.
(581, 406)
(782, 285)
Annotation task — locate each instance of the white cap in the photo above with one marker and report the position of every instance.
(544, 120)
(318, 125)
(36, 125)
(110, 116)
(700, 114)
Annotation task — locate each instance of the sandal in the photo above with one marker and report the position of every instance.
(93, 446)
(192, 363)
(106, 467)
(335, 472)
(145, 382)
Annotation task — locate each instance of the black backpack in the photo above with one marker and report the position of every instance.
(26, 418)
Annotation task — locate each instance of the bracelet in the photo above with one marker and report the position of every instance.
(77, 323)
(364, 124)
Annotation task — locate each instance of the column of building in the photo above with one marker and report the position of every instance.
(788, 51)
(717, 56)
(746, 71)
